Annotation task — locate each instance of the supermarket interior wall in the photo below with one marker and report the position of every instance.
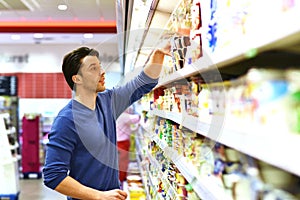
(48, 58)
(46, 107)
(51, 106)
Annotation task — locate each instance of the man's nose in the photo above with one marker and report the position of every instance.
(102, 71)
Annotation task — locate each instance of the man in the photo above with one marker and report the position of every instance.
(81, 158)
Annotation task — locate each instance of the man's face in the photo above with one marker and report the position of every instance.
(92, 74)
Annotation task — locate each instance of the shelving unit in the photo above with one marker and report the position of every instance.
(171, 194)
(204, 187)
(250, 140)
(9, 139)
(9, 183)
(229, 49)
(146, 178)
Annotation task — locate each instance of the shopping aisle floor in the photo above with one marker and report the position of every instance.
(34, 189)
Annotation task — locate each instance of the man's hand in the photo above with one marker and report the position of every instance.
(115, 194)
(154, 66)
(71, 187)
(165, 48)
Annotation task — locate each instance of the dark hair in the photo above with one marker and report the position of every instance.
(73, 60)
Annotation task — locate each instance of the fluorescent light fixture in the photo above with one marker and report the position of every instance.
(15, 37)
(38, 35)
(62, 7)
(88, 35)
(28, 5)
(36, 4)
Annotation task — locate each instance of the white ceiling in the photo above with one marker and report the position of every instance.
(46, 11)
(57, 38)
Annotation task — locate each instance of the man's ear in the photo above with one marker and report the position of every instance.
(76, 78)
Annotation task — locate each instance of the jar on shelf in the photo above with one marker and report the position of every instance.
(266, 93)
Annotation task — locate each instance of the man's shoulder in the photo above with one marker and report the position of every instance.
(106, 92)
(66, 111)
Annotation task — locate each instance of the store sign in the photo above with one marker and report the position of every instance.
(8, 85)
(14, 58)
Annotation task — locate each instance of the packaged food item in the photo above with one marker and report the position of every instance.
(242, 189)
(275, 177)
(191, 194)
(278, 195)
(135, 187)
(293, 116)
(266, 90)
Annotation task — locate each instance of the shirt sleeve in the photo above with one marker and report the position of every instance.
(124, 96)
(59, 151)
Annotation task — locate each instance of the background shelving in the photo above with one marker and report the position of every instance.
(250, 140)
(143, 163)
(9, 170)
(204, 187)
(207, 186)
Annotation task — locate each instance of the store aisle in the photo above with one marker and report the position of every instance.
(34, 189)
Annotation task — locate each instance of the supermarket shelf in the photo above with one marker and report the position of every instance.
(11, 160)
(188, 121)
(145, 182)
(256, 141)
(14, 147)
(139, 149)
(200, 66)
(171, 191)
(180, 162)
(12, 130)
(205, 187)
(153, 186)
(266, 145)
(140, 160)
(272, 38)
(17, 157)
(260, 142)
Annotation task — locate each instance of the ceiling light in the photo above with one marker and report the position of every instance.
(15, 37)
(35, 3)
(29, 6)
(62, 7)
(88, 35)
(38, 35)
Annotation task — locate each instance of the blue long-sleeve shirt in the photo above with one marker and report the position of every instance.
(82, 142)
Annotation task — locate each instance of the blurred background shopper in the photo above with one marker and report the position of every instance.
(126, 124)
